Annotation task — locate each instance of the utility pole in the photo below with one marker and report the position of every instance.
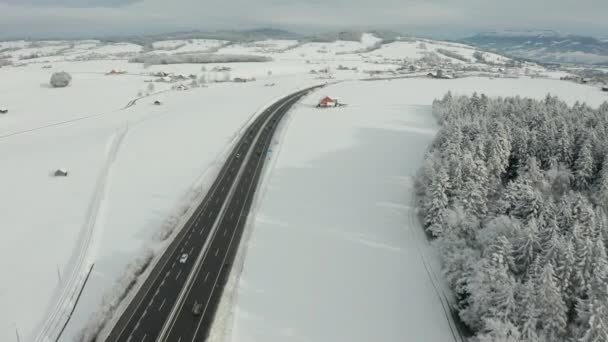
(17, 332)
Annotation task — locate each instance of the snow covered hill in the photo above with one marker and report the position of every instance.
(545, 46)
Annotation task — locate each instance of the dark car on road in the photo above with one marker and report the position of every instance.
(197, 309)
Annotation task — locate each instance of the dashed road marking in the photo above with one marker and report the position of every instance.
(162, 304)
(207, 276)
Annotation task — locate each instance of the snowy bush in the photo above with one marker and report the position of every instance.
(60, 79)
(515, 192)
(5, 62)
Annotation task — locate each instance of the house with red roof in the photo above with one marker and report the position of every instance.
(327, 102)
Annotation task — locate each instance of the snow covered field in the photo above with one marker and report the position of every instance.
(134, 170)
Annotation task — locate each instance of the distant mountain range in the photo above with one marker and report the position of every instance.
(545, 46)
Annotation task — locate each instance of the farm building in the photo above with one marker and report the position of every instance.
(3, 110)
(327, 102)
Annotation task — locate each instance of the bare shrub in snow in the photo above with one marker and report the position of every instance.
(111, 302)
(60, 79)
(515, 193)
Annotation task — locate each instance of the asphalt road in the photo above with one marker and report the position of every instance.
(162, 310)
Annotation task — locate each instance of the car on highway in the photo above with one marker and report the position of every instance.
(197, 309)
(238, 156)
(183, 258)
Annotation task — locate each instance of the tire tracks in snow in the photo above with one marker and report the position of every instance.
(130, 104)
(83, 257)
(414, 223)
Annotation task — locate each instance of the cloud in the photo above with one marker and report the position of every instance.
(53, 17)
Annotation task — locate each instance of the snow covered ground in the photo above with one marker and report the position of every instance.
(336, 254)
(134, 170)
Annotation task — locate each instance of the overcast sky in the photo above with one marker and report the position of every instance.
(449, 18)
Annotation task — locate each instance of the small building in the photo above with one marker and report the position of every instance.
(3, 110)
(605, 88)
(181, 87)
(327, 102)
(157, 103)
(61, 173)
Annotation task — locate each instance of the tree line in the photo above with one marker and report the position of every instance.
(514, 192)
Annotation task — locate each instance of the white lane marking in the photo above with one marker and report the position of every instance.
(144, 338)
(178, 273)
(217, 200)
(191, 249)
(231, 215)
(223, 188)
(173, 265)
(210, 213)
(171, 325)
(201, 231)
(217, 251)
(162, 304)
(225, 231)
(207, 276)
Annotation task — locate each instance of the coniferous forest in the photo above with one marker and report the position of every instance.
(514, 192)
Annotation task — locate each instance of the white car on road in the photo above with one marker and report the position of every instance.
(183, 258)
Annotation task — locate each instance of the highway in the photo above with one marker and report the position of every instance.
(162, 309)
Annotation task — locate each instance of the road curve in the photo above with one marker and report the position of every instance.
(162, 310)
